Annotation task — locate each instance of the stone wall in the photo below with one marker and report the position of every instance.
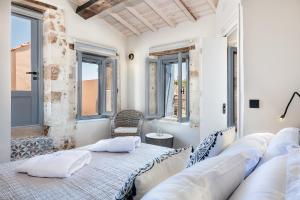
(59, 62)
(194, 87)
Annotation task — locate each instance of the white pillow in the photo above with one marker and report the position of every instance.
(212, 179)
(156, 171)
(266, 183)
(252, 146)
(160, 172)
(212, 145)
(283, 140)
(293, 175)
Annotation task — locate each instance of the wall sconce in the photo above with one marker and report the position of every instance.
(288, 105)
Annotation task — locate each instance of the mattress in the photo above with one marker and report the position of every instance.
(101, 179)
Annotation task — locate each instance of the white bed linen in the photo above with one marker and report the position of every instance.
(293, 175)
(267, 182)
(283, 140)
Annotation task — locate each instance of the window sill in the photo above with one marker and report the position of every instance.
(173, 121)
(82, 121)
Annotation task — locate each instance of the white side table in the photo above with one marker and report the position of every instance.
(163, 139)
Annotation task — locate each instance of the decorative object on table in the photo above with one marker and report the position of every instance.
(160, 139)
(288, 105)
(127, 123)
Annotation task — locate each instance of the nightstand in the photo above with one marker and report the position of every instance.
(162, 139)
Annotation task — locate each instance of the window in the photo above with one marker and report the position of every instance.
(97, 86)
(167, 83)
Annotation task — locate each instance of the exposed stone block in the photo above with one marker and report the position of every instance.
(55, 72)
(52, 37)
(62, 28)
(194, 73)
(55, 97)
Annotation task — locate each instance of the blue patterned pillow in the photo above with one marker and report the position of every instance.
(202, 150)
(212, 145)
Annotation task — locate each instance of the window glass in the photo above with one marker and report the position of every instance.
(171, 90)
(90, 89)
(20, 53)
(184, 89)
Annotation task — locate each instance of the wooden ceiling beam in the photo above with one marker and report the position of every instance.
(94, 7)
(33, 4)
(181, 5)
(212, 5)
(159, 12)
(124, 23)
(141, 18)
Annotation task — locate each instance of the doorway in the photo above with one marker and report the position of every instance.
(232, 80)
(26, 76)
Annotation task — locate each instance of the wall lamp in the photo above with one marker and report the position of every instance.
(288, 105)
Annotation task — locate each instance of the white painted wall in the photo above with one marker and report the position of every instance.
(184, 135)
(95, 30)
(213, 85)
(90, 131)
(5, 112)
(272, 63)
(204, 27)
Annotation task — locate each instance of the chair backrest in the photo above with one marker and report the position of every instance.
(128, 118)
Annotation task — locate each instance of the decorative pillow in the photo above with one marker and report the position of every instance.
(211, 179)
(212, 145)
(147, 177)
(266, 182)
(283, 140)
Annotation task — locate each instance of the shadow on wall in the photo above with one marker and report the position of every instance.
(183, 134)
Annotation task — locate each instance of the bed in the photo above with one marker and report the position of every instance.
(101, 179)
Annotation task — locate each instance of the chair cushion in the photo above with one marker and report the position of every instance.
(126, 130)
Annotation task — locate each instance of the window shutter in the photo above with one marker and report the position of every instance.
(154, 89)
(108, 87)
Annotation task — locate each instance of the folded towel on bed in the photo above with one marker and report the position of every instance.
(117, 144)
(60, 164)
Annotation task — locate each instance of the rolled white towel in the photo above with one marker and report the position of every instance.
(60, 164)
(117, 144)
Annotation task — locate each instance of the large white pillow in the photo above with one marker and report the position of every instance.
(283, 140)
(252, 146)
(159, 172)
(267, 182)
(156, 171)
(212, 179)
(212, 145)
(293, 175)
